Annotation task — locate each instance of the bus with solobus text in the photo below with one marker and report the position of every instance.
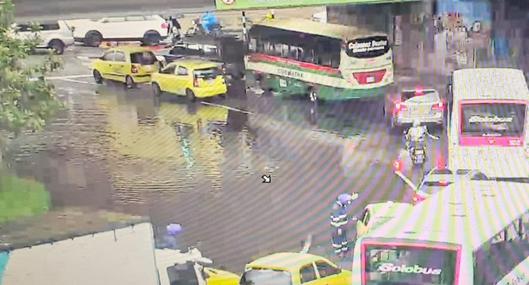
(487, 128)
(318, 60)
(471, 233)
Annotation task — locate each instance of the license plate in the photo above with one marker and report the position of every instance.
(422, 110)
(370, 79)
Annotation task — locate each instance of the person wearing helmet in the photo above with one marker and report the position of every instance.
(270, 15)
(416, 134)
(172, 236)
(339, 221)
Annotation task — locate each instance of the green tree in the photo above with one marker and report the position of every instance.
(27, 100)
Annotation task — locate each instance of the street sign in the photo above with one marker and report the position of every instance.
(260, 4)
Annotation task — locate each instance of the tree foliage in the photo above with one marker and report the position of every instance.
(27, 100)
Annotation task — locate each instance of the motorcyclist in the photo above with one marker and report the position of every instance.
(416, 134)
(174, 29)
(209, 21)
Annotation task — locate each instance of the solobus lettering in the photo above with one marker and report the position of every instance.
(488, 119)
(416, 269)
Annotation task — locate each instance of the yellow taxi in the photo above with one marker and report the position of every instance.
(220, 277)
(130, 65)
(291, 268)
(193, 78)
(377, 214)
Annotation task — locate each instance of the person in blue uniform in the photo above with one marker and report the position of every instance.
(339, 221)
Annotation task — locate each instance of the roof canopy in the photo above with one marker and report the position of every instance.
(260, 4)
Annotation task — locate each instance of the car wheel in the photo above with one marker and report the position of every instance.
(129, 82)
(97, 77)
(190, 95)
(57, 46)
(151, 38)
(93, 39)
(156, 89)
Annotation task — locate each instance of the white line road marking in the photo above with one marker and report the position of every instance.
(226, 107)
(68, 77)
(78, 81)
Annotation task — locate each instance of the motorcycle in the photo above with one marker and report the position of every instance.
(197, 30)
(417, 148)
(417, 152)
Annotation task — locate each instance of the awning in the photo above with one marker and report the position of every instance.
(265, 4)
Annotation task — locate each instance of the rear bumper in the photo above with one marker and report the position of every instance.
(210, 91)
(434, 119)
(142, 78)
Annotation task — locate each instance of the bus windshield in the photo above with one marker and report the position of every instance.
(493, 120)
(399, 265)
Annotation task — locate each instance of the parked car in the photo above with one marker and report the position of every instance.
(403, 107)
(130, 65)
(291, 268)
(378, 213)
(190, 77)
(150, 30)
(55, 35)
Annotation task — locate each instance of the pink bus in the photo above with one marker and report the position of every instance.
(487, 125)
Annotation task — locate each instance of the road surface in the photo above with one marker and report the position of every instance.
(201, 165)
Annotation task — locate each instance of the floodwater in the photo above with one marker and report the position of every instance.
(201, 165)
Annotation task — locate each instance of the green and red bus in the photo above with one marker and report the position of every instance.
(318, 60)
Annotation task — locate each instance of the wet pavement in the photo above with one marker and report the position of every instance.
(201, 164)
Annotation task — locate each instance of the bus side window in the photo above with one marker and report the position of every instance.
(285, 51)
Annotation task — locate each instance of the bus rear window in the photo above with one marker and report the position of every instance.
(144, 58)
(409, 265)
(493, 120)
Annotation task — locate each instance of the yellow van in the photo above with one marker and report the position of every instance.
(193, 78)
(291, 268)
(130, 65)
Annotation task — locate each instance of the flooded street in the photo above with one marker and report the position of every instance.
(201, 164)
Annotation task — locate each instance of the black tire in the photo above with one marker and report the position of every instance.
(156, 89)
(93, 39)
(151, 38)
(129, 82)
(190, 95)
(57, 46)
(97, 77)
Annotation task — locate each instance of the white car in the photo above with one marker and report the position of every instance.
(407, 105)
(55, 35)
(150, 30)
